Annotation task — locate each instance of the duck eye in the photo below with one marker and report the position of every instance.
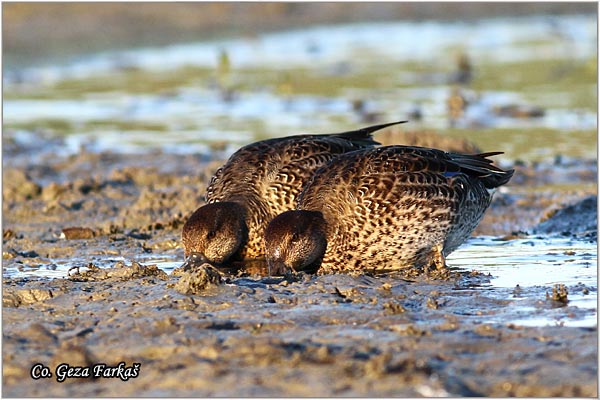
(295, 236)
(210, 234)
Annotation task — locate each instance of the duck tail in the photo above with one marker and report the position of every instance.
(497, 178)
(491, 175)
(364, 136)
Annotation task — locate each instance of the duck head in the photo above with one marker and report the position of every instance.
(215, 233)
(295, 241)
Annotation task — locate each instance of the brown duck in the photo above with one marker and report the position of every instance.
(258, 182)
(384, 209)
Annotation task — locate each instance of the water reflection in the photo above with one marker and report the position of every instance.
(525, 271)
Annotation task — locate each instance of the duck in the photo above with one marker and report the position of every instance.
(519, 111)
(384, 209)
(464, 73)
(364, 113)
(258, 182)
(456, 105)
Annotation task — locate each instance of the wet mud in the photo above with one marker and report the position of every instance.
(205, 333)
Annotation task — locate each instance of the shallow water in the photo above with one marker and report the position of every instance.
(500, 40)
(175, 97)
(522, 271)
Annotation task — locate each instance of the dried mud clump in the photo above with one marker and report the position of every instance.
(19, 186)
(559, 295)
(120, 272)
(75, 233)
(197, 280)
(16, 298)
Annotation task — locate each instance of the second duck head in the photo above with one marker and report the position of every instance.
(295, 241)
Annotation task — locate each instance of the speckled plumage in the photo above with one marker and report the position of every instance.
(258, 182)
(382, 209)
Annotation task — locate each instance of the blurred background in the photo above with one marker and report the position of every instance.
(209, 77)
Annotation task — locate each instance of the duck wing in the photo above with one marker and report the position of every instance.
(377, 172)
(414, 158)
(276, 167)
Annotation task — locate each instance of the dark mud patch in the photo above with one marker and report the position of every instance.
(581, 217)
(516, 212)
(198, 279)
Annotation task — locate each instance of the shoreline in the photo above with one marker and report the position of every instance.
(101, 27)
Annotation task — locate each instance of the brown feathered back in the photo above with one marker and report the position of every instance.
(396, 207)
(265, 179)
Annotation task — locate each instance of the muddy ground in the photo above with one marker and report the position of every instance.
(332, 335)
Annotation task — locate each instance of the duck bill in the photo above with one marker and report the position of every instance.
(194, 260)
(277, 267)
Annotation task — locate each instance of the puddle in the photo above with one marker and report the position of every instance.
(525, 270)
(528, 262)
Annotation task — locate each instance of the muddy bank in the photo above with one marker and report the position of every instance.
(581, 217)
(333, 335)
